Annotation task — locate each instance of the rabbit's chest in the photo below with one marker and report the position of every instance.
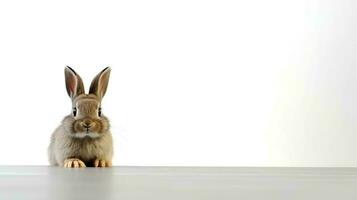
(90, 150)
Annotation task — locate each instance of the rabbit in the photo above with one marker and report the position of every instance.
(83, 139)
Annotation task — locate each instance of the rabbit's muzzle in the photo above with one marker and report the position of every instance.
(87, 125)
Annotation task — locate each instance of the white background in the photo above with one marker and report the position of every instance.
(214, 82)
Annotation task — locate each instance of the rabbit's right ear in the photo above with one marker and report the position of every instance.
(74, 83)
(100, 83)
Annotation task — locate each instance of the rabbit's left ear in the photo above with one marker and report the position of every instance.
(74, 83)
(100, 83)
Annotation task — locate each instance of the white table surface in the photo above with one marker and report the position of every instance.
(171, 183)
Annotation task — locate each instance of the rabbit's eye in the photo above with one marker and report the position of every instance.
(99, 112)
(74, 111)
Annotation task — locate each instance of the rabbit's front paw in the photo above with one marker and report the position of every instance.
(102, 163)
(73, 163)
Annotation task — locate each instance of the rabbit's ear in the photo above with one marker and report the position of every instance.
(74, 83)
(100, 83)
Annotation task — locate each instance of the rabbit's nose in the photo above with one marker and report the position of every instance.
(87, 123)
